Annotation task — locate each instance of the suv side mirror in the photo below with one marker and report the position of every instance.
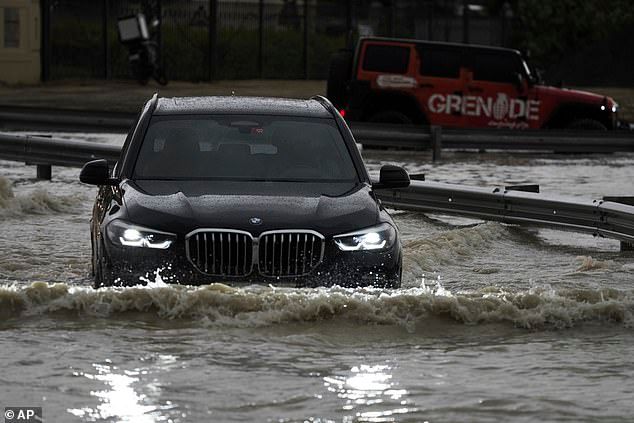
(96, 172)
(392, 177)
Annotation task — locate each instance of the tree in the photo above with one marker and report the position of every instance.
(551, 29)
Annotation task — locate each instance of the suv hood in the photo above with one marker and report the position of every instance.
(182, 206)
(575, 95)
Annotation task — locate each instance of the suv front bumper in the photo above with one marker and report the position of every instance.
(134, 266)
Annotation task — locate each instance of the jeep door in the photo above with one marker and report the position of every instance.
(497, 93)
(384, 89)
(441, 83)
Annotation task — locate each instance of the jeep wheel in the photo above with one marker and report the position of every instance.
(391, 116)
(586, 125)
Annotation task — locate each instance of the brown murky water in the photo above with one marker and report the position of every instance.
(493, 323)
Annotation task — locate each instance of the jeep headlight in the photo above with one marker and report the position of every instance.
(130, 235)
(380, 237)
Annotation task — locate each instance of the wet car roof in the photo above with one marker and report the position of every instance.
(240, 105)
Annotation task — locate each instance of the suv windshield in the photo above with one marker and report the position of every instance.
(249, 147)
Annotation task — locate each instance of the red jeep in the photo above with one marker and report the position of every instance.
(456, 85)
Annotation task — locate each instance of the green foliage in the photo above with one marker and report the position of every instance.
(551, 29)
(76, 49)
(284, 56)
(322, 48)
(237, 54)
(185, 52)
(78, 52)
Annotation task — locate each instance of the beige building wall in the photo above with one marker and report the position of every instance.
(20, 29)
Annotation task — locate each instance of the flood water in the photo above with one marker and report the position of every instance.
(493, 323)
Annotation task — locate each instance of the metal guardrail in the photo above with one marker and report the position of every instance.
(45, 152)
(598, 217)
(509, 205)
(435, 138)
(368, 134)
(32, 118)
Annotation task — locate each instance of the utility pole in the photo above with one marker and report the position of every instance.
(212, 30)
(45, 48)
(305, 55)
(105, 23)
(261, 39)
(349, 24)
(465, 21)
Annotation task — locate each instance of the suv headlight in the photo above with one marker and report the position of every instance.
(129, 235)
(380, 237)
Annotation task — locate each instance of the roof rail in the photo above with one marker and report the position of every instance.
(326, 103)
(152, 102)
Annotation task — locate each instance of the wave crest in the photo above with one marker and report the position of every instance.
(38, 201)
(450, 247)
(589, 264)
(222, 305)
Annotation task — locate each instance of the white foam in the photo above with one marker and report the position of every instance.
(589, 264)
(431, 253)
(221, 305)
(38, 201)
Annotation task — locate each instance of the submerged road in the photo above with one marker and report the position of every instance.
(493, 323)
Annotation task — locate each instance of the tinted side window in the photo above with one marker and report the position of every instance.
(389, 59)
(495, 67)
(440, 62)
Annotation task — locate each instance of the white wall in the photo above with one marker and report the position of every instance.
(20, 29)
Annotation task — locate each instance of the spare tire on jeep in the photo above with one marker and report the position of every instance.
(338, 76)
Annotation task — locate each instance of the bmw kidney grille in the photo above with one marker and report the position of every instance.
(233, 253)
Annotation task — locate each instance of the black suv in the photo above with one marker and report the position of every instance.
(242, 190)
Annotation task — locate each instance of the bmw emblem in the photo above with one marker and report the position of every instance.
(255, 221)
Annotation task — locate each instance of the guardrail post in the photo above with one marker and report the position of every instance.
(436, 142)
(628, 200)
(627, 246)
(44, 172)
